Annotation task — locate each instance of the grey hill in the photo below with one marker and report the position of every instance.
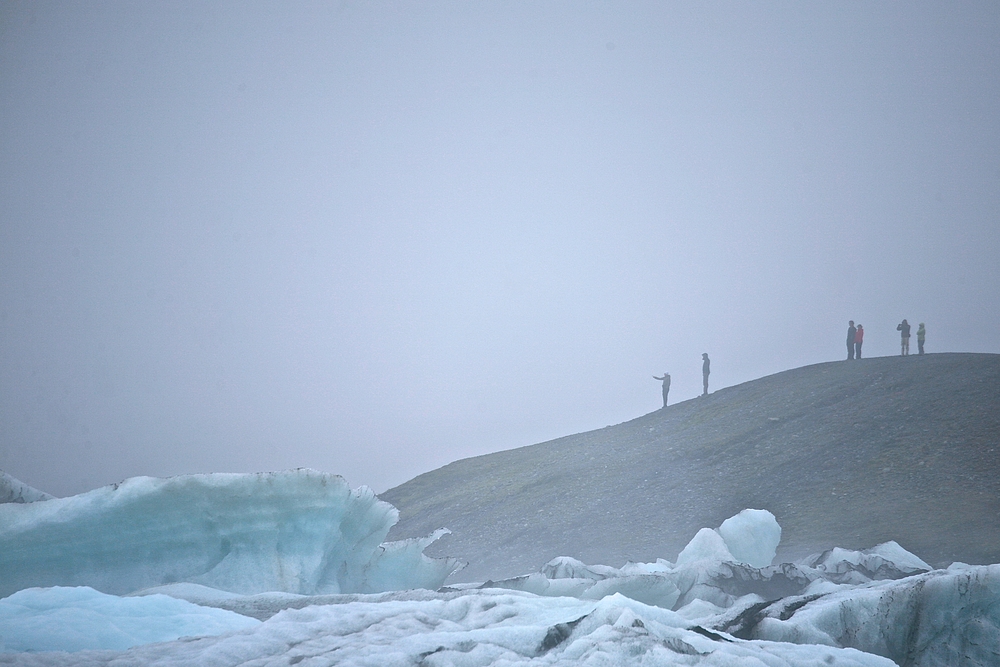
(848, 454)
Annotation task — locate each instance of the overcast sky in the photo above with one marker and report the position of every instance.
(373, 238)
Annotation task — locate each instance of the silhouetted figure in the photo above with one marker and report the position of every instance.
(859, 338)
(851, 333)
(921, 335)
(705, 370)
(904, 337)
(666, 386)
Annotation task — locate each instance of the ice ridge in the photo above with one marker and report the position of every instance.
(298, 531)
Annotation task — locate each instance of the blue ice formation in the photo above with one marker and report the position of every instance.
(942, 618)
(477, 628)
(79, 618)
(298, 531)
(840, 608)
(708, 571)
(752, 537)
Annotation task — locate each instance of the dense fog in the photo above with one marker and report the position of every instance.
(375, 238)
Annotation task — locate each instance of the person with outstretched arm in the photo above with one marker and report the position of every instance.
(666, 386)
(706, 368)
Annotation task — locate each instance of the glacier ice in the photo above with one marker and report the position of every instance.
(78, 618)
(706, 545)
(885, 561)
(299, 531)
(15, 491)
(752, 537)
(944, 617)
(564, 567)
(708, 572)
(471, 628)
(304, 556)
(936, 619)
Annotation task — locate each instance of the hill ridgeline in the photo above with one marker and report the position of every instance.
(846, 454)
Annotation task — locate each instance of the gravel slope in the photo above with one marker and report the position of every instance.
(843, 453)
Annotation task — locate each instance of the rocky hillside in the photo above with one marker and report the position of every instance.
(844, 454)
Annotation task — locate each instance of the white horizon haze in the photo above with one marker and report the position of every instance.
(372, 239)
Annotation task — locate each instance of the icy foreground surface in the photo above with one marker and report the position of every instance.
(74, 619)
(942, 618)
(469, 628)
(946, 618)
(299, 531)
(722, 603)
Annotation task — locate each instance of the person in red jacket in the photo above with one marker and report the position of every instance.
(859, 338)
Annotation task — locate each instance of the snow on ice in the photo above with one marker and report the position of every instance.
(315, 602)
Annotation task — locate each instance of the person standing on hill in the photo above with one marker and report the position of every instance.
(706, 368)
(666, 386)
(859, 338)
(851, 331)
(921, 336)
(904, 337)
